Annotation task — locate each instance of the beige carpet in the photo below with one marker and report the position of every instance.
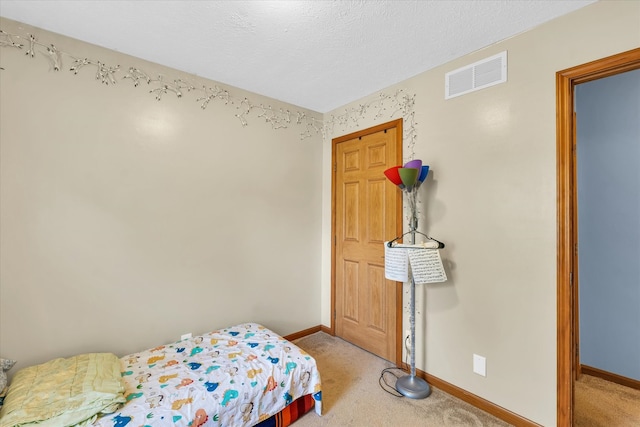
(601, 403)
(352, 396)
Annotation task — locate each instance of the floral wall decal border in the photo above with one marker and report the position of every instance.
(159, 86)
(398, 104)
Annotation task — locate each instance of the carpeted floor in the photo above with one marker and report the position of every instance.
(601, 403)
(352, 396)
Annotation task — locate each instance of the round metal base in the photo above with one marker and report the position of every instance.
(413, 387)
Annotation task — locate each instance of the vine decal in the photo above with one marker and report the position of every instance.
(396, 105)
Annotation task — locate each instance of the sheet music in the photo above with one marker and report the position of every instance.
(395, 264)
(426, 266)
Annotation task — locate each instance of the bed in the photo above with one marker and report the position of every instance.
(244, 375)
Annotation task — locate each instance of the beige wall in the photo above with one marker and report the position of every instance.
(491, 197)
(127, 221)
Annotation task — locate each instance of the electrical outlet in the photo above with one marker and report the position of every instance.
(185, 336)
(480, 365)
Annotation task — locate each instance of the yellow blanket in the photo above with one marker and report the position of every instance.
(64, 392)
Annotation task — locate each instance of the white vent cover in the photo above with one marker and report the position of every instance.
(487, 72)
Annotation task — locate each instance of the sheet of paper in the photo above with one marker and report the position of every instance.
(426, 266)
(395, 264)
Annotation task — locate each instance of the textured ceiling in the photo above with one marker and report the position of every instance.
(315, 54)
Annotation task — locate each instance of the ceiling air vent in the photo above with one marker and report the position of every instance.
(487, 72)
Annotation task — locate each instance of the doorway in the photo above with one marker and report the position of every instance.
(366, 212)
(567, 294)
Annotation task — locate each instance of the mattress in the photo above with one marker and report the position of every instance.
(237, 376)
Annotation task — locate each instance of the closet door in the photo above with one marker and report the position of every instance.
(368, 212)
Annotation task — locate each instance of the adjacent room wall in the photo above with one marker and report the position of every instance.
(491, 197)
(128, 221)
(608, 157)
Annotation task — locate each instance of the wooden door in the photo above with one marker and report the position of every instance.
(367, 212)
(567, 298)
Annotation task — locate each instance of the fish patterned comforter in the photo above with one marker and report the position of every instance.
(235, 376)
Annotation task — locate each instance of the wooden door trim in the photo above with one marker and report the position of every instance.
(397, 124)
(566, 204)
